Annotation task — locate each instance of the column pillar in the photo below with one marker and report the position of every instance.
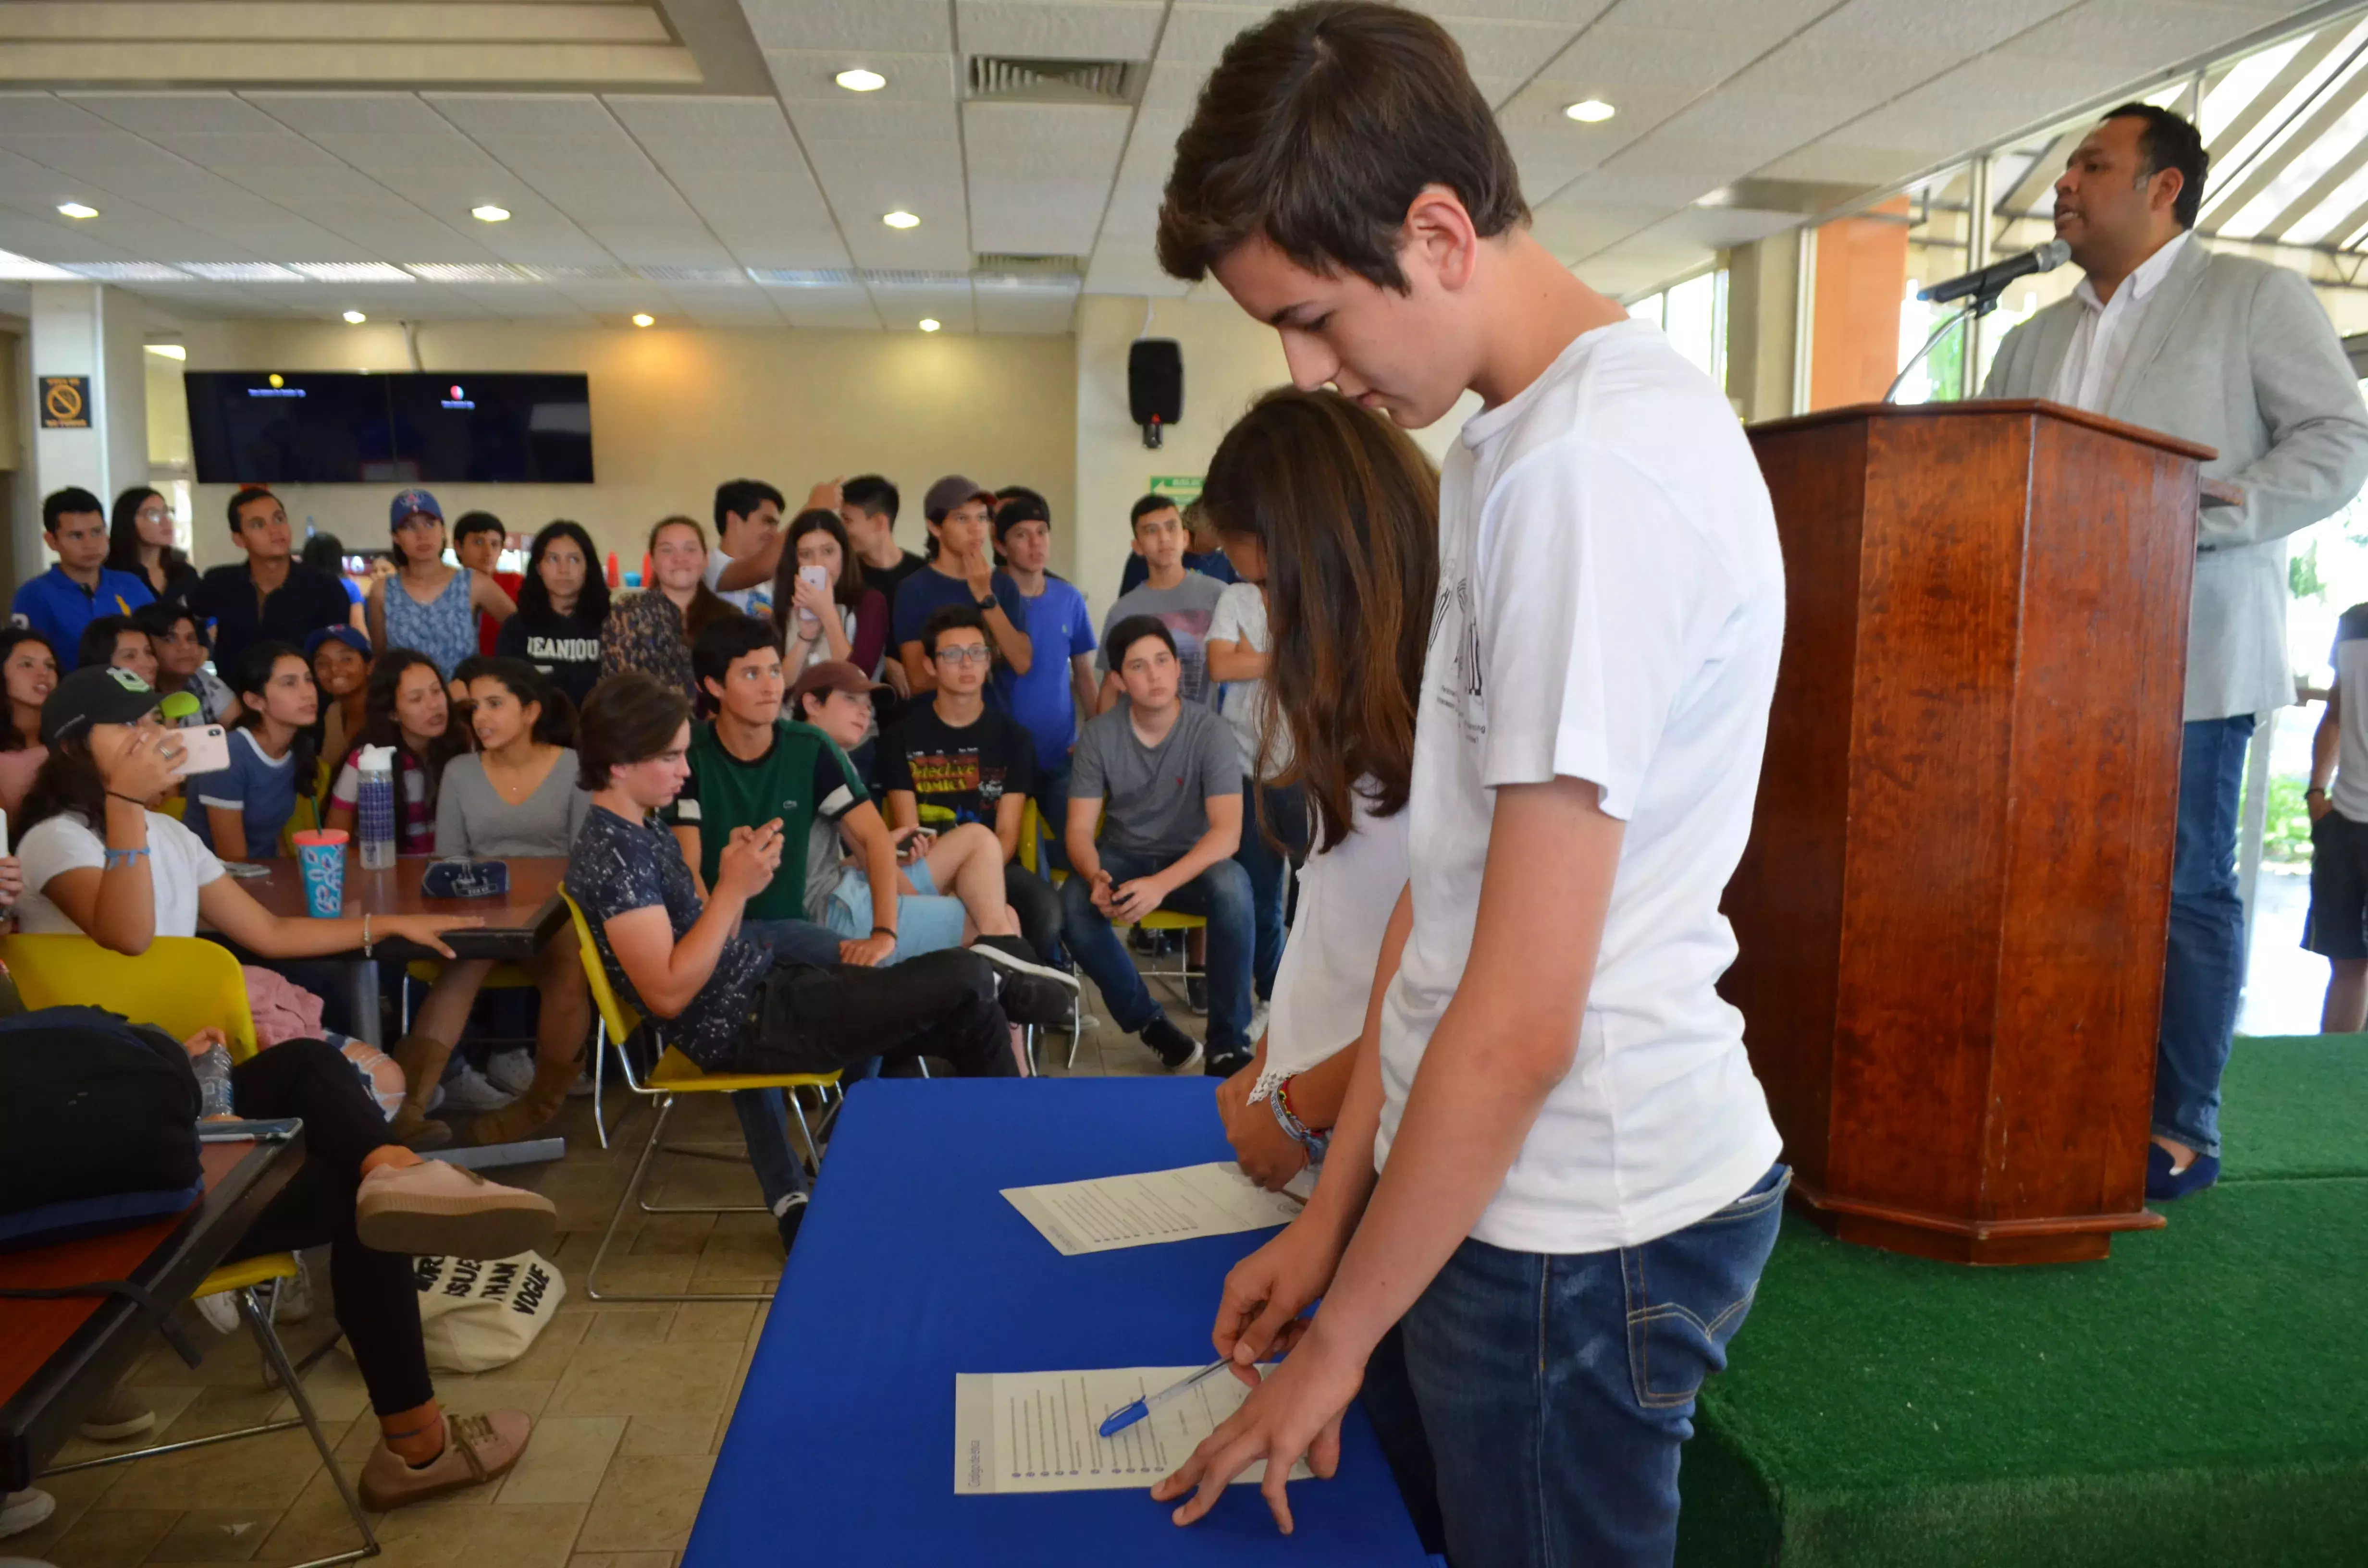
(94, 332)
(1763, 286)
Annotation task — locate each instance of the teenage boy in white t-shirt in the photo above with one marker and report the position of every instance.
(1578, 1180)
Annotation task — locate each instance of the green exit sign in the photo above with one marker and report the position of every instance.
(1181, 488)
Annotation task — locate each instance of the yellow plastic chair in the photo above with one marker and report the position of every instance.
(182, 984)
(674, 1076)
(303, 819)
(172, 806)
(428, 972)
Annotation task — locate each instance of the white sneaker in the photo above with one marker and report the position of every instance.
(465, 1088)
(20, 1511)
(512, 1071)
(219, 1311)
(584, 1087)
(293, 1303)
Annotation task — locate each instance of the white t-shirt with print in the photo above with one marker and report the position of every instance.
(757, 601)
(1346, 894)
(177, 866)
(1240, 618)
(1611, 607)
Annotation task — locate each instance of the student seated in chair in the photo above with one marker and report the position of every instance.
(726, 1002)
(239, 811)
(96, 861)
(1173, 775)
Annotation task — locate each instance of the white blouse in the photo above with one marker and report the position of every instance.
(1346, 896)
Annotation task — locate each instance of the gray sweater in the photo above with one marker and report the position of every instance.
(472, 819)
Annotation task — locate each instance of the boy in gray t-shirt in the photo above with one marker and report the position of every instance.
(1171, 772)
(1183, 601)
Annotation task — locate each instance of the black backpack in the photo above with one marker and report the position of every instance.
(98, 1125)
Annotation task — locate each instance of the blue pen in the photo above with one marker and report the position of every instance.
(1127, 1415)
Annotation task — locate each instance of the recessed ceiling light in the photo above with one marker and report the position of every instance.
(355, 318)
(489, 214)
(930, 324)
(643, 318)
(900, 219)
(77, 209)
(1591, 111)
(861, 81)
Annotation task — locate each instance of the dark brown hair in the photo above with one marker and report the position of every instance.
(382, 727)
(847, 591)
(2167, 142)
(630, 717)
(1318, 129)
(705, 606)
(1346, 508)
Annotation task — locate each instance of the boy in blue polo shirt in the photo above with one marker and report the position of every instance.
(63, 601)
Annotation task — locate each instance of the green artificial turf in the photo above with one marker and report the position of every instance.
(2295, 1107)
(2202, 1396)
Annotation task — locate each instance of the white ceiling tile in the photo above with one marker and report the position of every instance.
(1132, 271)
(850, 118)
(919, 26)
(1569, 13)
(1774, 18)
(809, 74)
(1198, 33)
(1858, 74)
(1040, 174)
(1060, 30)
(350, 114)
(165, 114)
(841, 306)
(1505, 48)
(1035, 310)
(1825, 163)
(1571, 229)
(904, 307)
(1920, 23)
(40, 114)
(2138, 35)
(1751, 126)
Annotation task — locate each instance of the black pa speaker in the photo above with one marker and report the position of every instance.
(1155, 385)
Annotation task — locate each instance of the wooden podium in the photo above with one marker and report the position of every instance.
(1952, 913)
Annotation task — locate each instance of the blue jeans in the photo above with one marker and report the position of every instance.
(1051, 793)
(1532, 1405)
(1285, 811)
(2203, 967)
(1221, 893)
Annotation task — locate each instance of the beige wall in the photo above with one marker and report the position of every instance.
(1229, 359)
(676, 412)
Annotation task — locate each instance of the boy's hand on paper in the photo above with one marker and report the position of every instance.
(1295, 1411)
(1258, 1315)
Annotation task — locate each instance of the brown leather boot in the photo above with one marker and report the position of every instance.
(532, 1111)
(422, 1059)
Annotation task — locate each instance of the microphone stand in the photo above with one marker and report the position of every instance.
(1977, 305)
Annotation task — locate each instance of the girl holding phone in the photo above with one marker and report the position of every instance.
(824, 609)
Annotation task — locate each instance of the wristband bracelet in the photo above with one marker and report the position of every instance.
(887, 931)
(111, 857)
(1288, 1119)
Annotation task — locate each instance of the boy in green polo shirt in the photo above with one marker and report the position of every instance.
(750, 766)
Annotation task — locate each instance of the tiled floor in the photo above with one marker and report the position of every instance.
(630, 1402)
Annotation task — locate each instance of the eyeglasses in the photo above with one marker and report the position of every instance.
(967, 654)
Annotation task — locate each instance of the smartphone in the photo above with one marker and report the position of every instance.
(4, 836)
(204, 750)
(817, 576)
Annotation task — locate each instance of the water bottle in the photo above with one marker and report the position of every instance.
(374, 808)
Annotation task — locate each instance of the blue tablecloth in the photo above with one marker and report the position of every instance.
(912, 1268)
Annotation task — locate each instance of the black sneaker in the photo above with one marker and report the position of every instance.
(1196, 995)
(1226, 1063)
(1030, 992)
(792, 1215)
(1143, 941)
(1176, 1051)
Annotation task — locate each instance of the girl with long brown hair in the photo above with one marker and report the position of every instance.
(652, 631)
(1333, 513)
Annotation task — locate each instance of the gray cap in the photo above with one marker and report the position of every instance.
(951, 492)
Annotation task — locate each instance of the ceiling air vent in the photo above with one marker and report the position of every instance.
(997, 264)
(1001, 79)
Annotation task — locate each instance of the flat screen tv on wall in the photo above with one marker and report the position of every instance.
(351, 427)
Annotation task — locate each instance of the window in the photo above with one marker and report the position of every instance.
(1693, 316)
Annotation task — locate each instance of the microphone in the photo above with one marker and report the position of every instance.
(1988, 280)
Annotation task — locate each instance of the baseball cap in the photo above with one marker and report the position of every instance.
(1018, 509)
(96, 694)
(350, 636)
(831, 674)
(409, 502)
(951, 492)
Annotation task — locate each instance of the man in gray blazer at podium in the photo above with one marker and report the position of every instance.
(2236, 354)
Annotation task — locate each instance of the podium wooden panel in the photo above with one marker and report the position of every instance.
(1952, 914)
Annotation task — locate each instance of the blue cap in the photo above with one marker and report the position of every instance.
(346, 635)
(409, 502)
